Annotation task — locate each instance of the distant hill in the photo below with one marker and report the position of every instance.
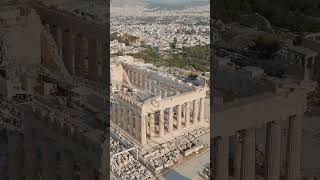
(159, 4)
(175, 4)
(124, 3)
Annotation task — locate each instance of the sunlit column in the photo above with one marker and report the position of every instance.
(143, 133)
(161, 123)
(195, 112)
(152, 125)
(170, 120)
(201, 118)
(187, 117)
(179, 114)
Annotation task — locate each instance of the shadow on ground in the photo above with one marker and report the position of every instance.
(174, 175)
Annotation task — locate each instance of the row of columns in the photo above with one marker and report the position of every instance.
(160, 123)
(81, 54)
(139, 79)
(174, 117)
(41, 162)
(245, 152)
(127, 119)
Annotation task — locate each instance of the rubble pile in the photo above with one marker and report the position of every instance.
(163, 156)
(205, 172)
(169, 153)
(9, 114)
(199, 132)
(115, 146)
(125, 166)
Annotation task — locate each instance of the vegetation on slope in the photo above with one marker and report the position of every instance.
(197, 57)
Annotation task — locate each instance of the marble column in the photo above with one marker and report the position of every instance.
(153, 88)
(152, 125)
(114, 113)
(81, 54)
(184, 113)
(222, 161)
(93, 60)
(294, 148)
(272, 152)
(137, 78)
(201, 116)
(141, 80)
(248, 154)
(129, 76)
(105, 61)
(15, 155)
(131, 123)
(237, 156)
(67, 163)
(137, 126)
(30, 155)
(150, 86)
(142, 85)
(68, 51)
(49, 162)
(187, 117)
(57, 34)
(161, 123)
(195, 111)
(133, 78)
(125, 118)
(170, 120)
(119, 119)
(179, 114)
(143, 133)
(146, 83)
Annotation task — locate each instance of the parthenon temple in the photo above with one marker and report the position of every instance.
(151, 108)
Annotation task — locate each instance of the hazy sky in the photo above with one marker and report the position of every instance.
(160, 3)
(177, 3)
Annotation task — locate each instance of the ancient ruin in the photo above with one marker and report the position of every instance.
(152, 108)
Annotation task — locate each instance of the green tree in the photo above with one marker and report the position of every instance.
(193, 76)
(266, 44)
(174, 43)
